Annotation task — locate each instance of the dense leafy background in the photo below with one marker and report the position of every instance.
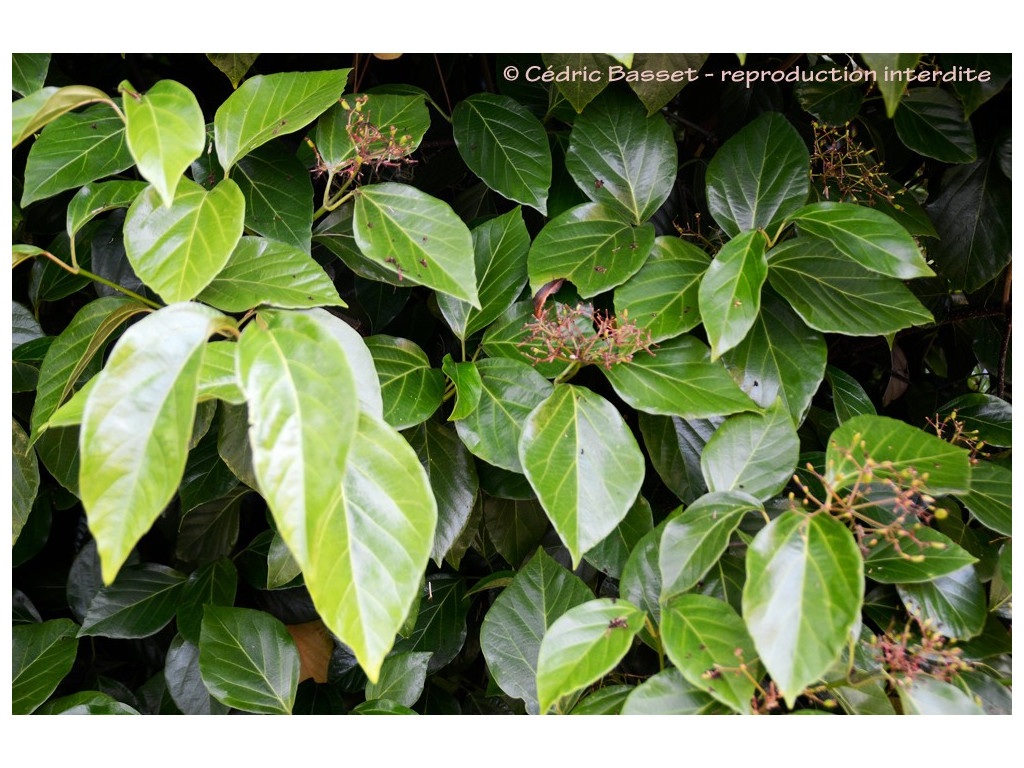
(340, 473)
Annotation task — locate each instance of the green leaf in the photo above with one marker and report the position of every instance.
(655, 93)
(300, 389)
(510, 390)
(759, 177)
(42, 654)
(913, 562)
(140, 602)
(94, 199)
(69, 356)
(678, 379)
(500, 246)
(217, 376)
(178, 250)
(669, 693)
(336, 234)
(973, 93)
(582, 645)
(233, 65)
(503, 338)
(75, 150)
(779, 358)
(583, 463)
(834, 294)
(248, 660)
(87, 703)
(752, 453)
(928, 696)
(692, 542)
(579, 91)
(675, 446)
(990, 416)
(990, 499)
(282, 569)
(954, 603)
(706, 639)
(802, 597)
(373, 540)
(931, 121)
(604, 701)
(393, 115)
(662, 297)
(213, 584)
(381, 707)
(440, 626)
(972, 217)
(940, 466)
(891, 87)
(611, 553)
(506, 146)
(278, 195)
(730, 291)
(411, 389)
(36, 110)
(268, 106)
(621, 157)
(592, 246)
(166, 132)
(453, 480)
(401, 678)
(468, 386)
(514, 526)
(137, 424)
(832, 100)
(416, 236)
(184, 681)
(28, 72)
(871, 238)
(511, 633)
(24, 478)
(261, 271)
(848, 396)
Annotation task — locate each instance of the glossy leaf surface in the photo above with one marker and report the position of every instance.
(730, 291)
(411, 389)
(42, 655)
(140, 602)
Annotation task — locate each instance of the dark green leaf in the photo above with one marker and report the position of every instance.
(991, 416)
(336, 234)
(468, 386)
(834, 294)
(582, 645)
(954, 603)
(409, 233)
(411, 389)
(759, 177)
(28, 72)
(261, 271)
(693, 541)
(940, 466)
(213, 584)
(511, 632)
(662, 296)
(675, 446)
(655, 93)
(678, 379)
(42, 654)
(178, 250)
(730, 291)
(141, 601)
(514, 526)
(706, 639)
(440, 627)
(381, 707)
(889, 75)
(611, 553)
(233, 65)
(506, 146)
(278, 195)
(500, 246)
(583, 463)
(402, 119)
(621, 157)
(24, 478)
(75, 150)
(248, 660)
(165, 131)
(510, 391)
(931, 122)
(914, 562)
(972, 217)
(604, 701)
(974, 92)
(832, 99)
(803, 595)
(505, 335)
(579, 91)
(36, 110)
(848, 396)
(87, 703)
(779, 358)
(401, 678)
(94, 199)
(268, 106)
(453, 480)
(137, 425)
(669, 693)
(184, 681)
(752, 453)
(869, 237)
(868, 698)
(990, 499)
(593, 246)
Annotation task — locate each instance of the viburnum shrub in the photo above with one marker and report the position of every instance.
(349, 385)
